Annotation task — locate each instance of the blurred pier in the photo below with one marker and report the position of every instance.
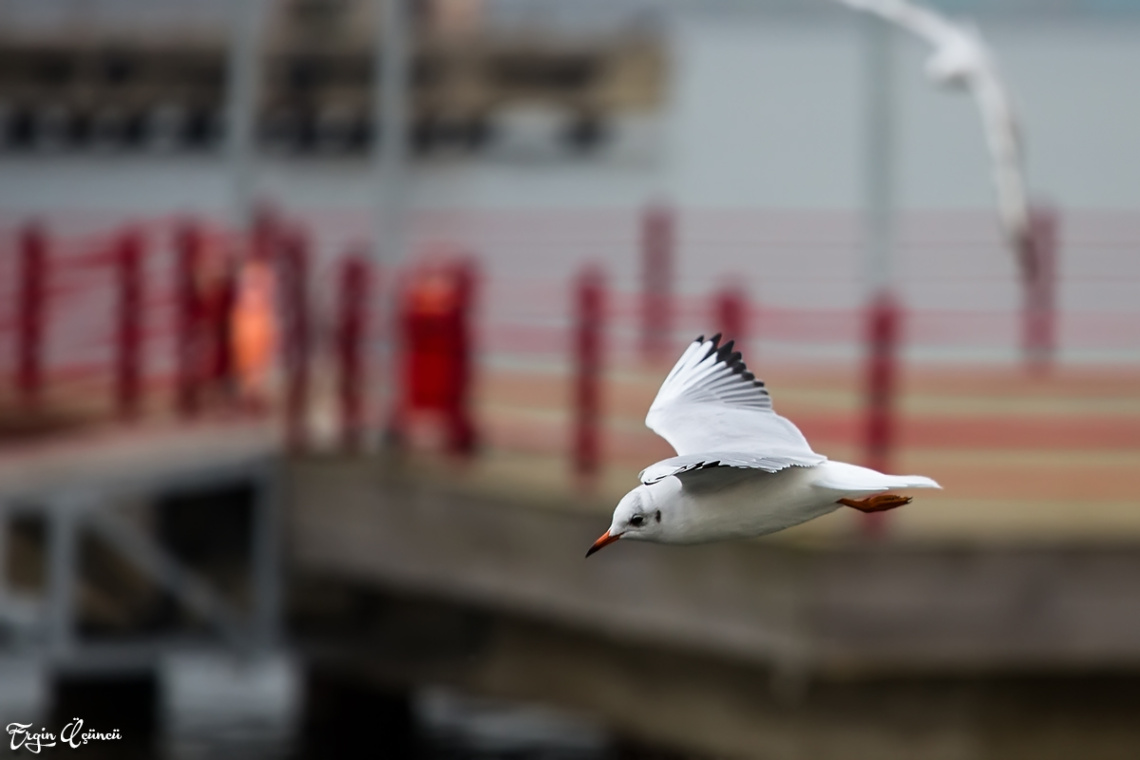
(796, 646)
(418, 517)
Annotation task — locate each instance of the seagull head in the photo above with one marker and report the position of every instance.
(637, 516)
(958, 60)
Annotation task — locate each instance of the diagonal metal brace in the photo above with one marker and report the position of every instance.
(169, 572)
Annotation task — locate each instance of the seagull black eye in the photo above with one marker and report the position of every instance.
(637, 520)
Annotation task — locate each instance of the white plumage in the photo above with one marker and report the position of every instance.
(741, 469)
(961, 59)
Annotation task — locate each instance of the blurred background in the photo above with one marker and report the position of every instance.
(327, 330)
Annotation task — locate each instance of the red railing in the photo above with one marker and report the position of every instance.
(125, 308)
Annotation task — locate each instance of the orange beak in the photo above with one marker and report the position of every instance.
(606, 539)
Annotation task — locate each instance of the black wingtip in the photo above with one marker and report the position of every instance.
(718, 363)
(713, 349)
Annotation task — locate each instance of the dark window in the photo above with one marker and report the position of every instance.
(565, 73)
(52, 69)
(119, 69)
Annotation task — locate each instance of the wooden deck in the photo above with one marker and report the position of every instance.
(1021, 458)
(1049, 458)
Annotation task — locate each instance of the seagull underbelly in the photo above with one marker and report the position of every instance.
(756, 506)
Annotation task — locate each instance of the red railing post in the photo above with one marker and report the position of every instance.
(294, 276)
(732, 315)
(884, 318)
(350, 332)
(216, 290)
(462, 438)
(588, 314)
(265, 232)
(657, 241)
(32, 308)
(1038, 336)
(188, 247)
(128, 360)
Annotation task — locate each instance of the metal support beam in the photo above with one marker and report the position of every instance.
(882, 312)
(879, 170)
(63, 551)
(390, 121)
(4, 528)
(167, 571)
(390, 124)
(266, 566)
(246, 19)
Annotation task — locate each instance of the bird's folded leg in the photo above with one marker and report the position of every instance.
(877, 503)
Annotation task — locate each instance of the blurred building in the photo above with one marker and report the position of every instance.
(524, 104)
(761, 105)
(156, 74)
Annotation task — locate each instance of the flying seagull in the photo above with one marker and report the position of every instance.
(962, 60)
(741, 469)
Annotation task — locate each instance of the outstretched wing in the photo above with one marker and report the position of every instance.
(711, 403)
(738, 460)
(922, 21)
(960, 55)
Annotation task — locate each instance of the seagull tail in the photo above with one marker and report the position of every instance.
(910, 481)
(852, 480)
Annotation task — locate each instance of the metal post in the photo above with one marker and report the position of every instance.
(657, 281)
(882, 311)
(1038, 335)
(128, 375)
(390, 149)
(265, 563)
(880, 123)
(31, 312)
(389, 119)
(589, 295)
(246, 21)
(62, 565)
(390, 127)
(4, 528)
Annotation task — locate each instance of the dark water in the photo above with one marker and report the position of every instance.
(218, 707)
